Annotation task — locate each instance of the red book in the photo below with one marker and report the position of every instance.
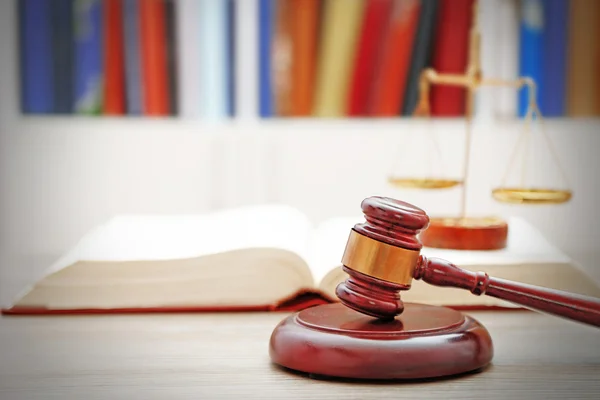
(154, 57)
(377, 15)
(114, 64)
(450, 55)
(391, 73)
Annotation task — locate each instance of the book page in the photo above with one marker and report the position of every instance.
(327, 243)
(166, 237)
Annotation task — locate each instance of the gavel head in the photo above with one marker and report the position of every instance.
(381, 256)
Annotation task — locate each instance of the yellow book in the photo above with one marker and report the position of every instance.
(340, 28)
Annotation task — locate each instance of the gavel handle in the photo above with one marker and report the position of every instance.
(439, 272)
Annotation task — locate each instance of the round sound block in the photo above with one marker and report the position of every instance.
(472, 233)
(423, 342)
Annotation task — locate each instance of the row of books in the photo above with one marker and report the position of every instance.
(364, 58)
(103, 57)
(300, 58)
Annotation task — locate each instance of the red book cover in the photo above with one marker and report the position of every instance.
(154, 57)
(114, 63)
(298, 301)
(392, 71)
(377, 15)
(450, 55)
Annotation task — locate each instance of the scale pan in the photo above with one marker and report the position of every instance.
(531, 196)
(424, 183)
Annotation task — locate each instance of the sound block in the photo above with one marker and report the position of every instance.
(425, 341)
(472, 233)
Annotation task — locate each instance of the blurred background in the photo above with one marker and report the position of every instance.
(179, 106)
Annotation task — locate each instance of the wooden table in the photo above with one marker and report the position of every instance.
(213, 356)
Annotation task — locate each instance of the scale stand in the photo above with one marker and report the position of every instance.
(466, 232)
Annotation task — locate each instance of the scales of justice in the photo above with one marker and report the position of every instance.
(465, 232)
(371, 333)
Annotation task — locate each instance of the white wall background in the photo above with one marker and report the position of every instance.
(60, 177)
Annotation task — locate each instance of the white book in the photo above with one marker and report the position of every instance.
(187, 19)
(258, 257)
(211, 34)
(499, 28)
(246, 56)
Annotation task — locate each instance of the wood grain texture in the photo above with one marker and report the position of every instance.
(439, 272)
(217, 356)
(333, 340)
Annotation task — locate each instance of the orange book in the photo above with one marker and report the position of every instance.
(154, 57)
(305, 29)
(392, 71)
(582, 64)
(114, 92)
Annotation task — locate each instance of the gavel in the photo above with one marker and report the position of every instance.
(383, 256)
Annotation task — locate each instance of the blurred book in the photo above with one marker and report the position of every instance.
(265, 257)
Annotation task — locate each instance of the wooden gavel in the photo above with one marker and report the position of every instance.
(382, 257)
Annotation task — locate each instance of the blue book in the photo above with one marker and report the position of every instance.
(89, 71)
(36, 57)
(265, 34)
(556, 15)
(530, 52)
(133, 71)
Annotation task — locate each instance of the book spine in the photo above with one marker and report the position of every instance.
(114, 88)
(450, 55)
(583, 67)
(390, 83)
(265, 34)
(305, 32)
(507, 56)
(246, 73)
(377, 15)
(36, 54)
(62, 23)
(132, 55)
(230, 62)
(530, 56)
(89, 72)
(341, 25)
(421, 53)
(556, 15)
(188, 18)
(154, 57)
(212, 36)
(281, 58)
(172, 56)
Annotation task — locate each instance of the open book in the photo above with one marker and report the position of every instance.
(266, 257)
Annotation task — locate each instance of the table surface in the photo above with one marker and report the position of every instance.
(211, 356)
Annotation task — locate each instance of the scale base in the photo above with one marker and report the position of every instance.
(471, 233)
(425, 341)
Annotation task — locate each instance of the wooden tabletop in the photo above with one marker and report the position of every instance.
(213, 356)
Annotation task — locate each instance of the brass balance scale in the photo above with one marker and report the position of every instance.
(468, 232)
